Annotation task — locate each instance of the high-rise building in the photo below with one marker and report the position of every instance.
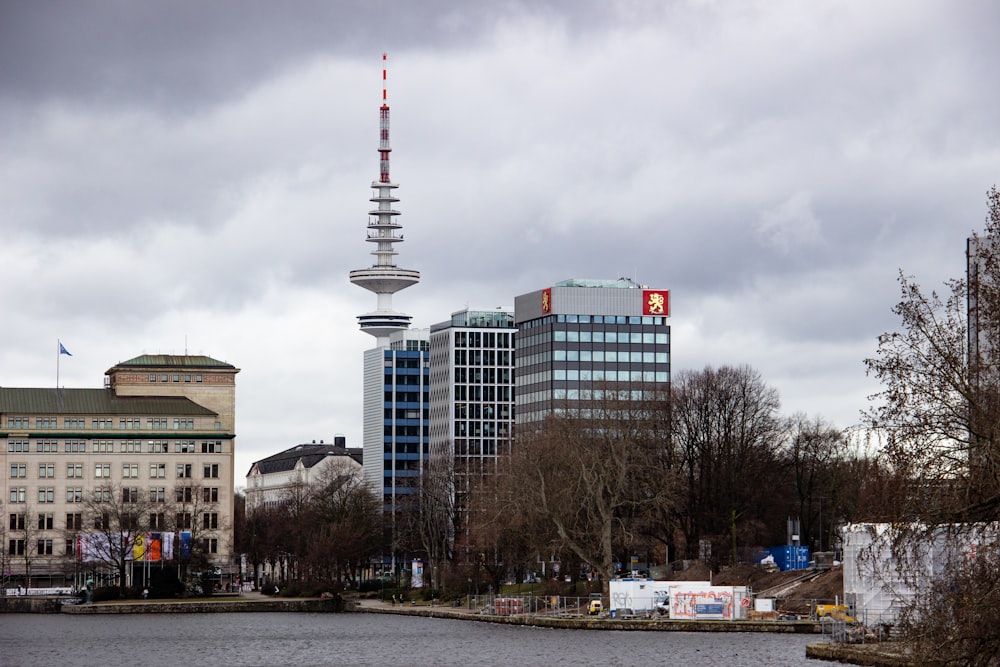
(395, 428)
(581, 338)
(472, 393)
(155, 446)
(395, 420)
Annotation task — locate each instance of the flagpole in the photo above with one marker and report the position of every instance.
(58, 354)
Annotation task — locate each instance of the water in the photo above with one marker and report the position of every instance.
(191, 640)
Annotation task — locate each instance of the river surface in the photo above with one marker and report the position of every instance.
(235, 640)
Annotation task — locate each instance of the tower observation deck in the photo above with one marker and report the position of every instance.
(384, 277)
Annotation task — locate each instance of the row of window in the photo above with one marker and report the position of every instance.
(74, 521)
(103, 423)
(483, 358)
(592, 356)
(15, 445)
(16, 547)
(590, 375)
(484, 393)
(593, 319)
(525, 399)
(601, 337)
(483, 411)
(482, 429)
(103, 470)
(483, 375)
(74, 494)
(487, 339)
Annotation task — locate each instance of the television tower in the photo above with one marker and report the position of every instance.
(384, 277)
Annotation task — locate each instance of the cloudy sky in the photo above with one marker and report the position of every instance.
(194, 176)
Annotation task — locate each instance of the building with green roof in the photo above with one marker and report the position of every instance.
(147, 459)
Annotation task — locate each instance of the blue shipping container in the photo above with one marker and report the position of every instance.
(790, 558)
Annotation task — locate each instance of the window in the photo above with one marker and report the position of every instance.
(76, 446)
(102, 470)
(70, 546)
(131, 447)
(210, 545)
(184, 447)
(211, 447)
(18, 494)
(183, 520)
(46, 521)
(104, 446)
(44, 547)
(17, 422)
(158, 447)
(129, 423)
(16, 548)
(130, 494)
(46, 494)
(74, 470)
(210, 520)
(183, 494)
(16, 522)
(211, 470)
(102, 422)
(156, 423)
(74, 521)
(18, 446)
(157, 520)
(74, 422)
(157, 470)
(183, 423)
(130, 470)
(18, 470)
(47, 446)
(183, 470)
(210, 494)
(157, 494)
(102, 520)
(102, 494)
(46, 470)
(74, 494)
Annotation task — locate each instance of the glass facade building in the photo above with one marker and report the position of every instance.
(580, 339)
(472, 393)
(396, 416)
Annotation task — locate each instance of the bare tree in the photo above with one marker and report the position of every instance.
(116, 518)
(345, 524)
(727, 432)
(437, 515)
(939, 415)
(587, 477)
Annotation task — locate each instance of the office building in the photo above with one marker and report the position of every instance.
(159, 438)
(472, 393)
(395, 420)
(581, 338)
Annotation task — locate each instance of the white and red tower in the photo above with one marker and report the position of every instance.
(384, 277)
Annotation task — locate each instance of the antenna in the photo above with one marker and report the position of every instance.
(383, 144)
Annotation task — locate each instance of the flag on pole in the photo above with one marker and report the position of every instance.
(63, 350)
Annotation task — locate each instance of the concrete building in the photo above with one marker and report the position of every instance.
(272, 480)
(472, 393)
(581, 338)
(159, 436)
